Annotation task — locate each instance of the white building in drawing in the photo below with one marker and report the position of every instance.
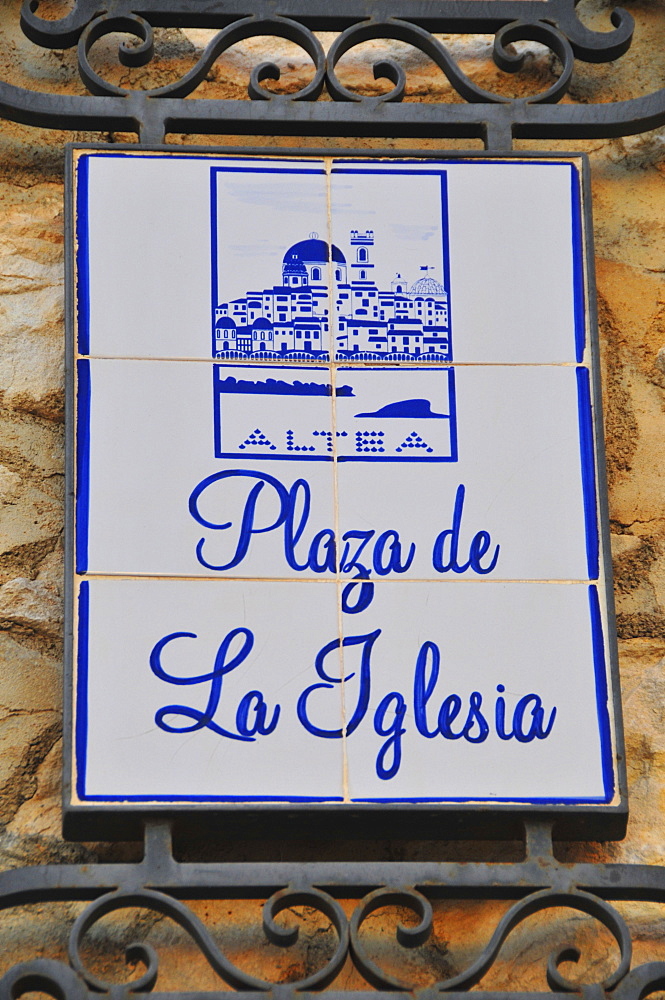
(293, 319)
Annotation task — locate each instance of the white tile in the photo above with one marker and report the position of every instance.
(514, 298)
(513, 292)
(161, 501)
(520, 641)
(169, 241)
(130, 751)
(517, 484)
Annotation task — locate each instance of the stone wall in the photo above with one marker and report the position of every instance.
(628, 177)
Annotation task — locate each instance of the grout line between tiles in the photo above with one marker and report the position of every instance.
(95, 575)
(332, 330)
(418, 362)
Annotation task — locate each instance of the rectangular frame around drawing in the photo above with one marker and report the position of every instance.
(410, 817)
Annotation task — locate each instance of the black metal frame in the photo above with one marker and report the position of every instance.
(158, 882)
(487, 116)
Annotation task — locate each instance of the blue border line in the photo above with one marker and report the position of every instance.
(489, 802)
(212, 798)
(202, 156)
(585, 419)
(258, 457)
(270, 170)
(82, 255)
(82, 463)
(265, 366)
(82, 688)
(216, 410)
(579, 310)
(452, 394)
(497, 159)
(254, 457)
(433, 171)
(375, 458)
(446, 257)
(214, 291)
(602, 694)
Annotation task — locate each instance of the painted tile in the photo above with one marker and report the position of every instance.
(461, 692)
(161, 500)
(449, 250)
(196, 695)
(293, 407)
(392, 297)
(392, 415)
(271, 262)
(235, 220)
(514, 500)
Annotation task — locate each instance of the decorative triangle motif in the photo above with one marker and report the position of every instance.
(414, 440)
(257, 439)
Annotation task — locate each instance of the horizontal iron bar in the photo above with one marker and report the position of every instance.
(414, 119)
(284, 117)
(256, 880)
(287, 991)
(484, 16)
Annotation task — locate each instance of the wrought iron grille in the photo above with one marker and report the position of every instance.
(495, 119)
(159, 883)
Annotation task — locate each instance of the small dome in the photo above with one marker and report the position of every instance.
(261, 324)
(225, 323)
(427, 286)
(313, 251)
(293, 266)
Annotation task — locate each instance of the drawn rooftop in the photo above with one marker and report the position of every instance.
(292, 320)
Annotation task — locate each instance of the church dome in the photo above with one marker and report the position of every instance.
(313, 251)
(225, 323)
(262, 324)
(427, 286)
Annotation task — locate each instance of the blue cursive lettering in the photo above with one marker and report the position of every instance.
(246, 733)
(270, 506)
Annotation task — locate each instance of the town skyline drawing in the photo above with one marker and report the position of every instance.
(293, 320)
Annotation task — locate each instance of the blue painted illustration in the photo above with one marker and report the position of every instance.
(292, 320)
(278, 387)
(420, 408)
(273, 412)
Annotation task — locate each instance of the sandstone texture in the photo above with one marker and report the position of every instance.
(628, 178)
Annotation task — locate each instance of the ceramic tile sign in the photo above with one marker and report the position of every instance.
(337, 535)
